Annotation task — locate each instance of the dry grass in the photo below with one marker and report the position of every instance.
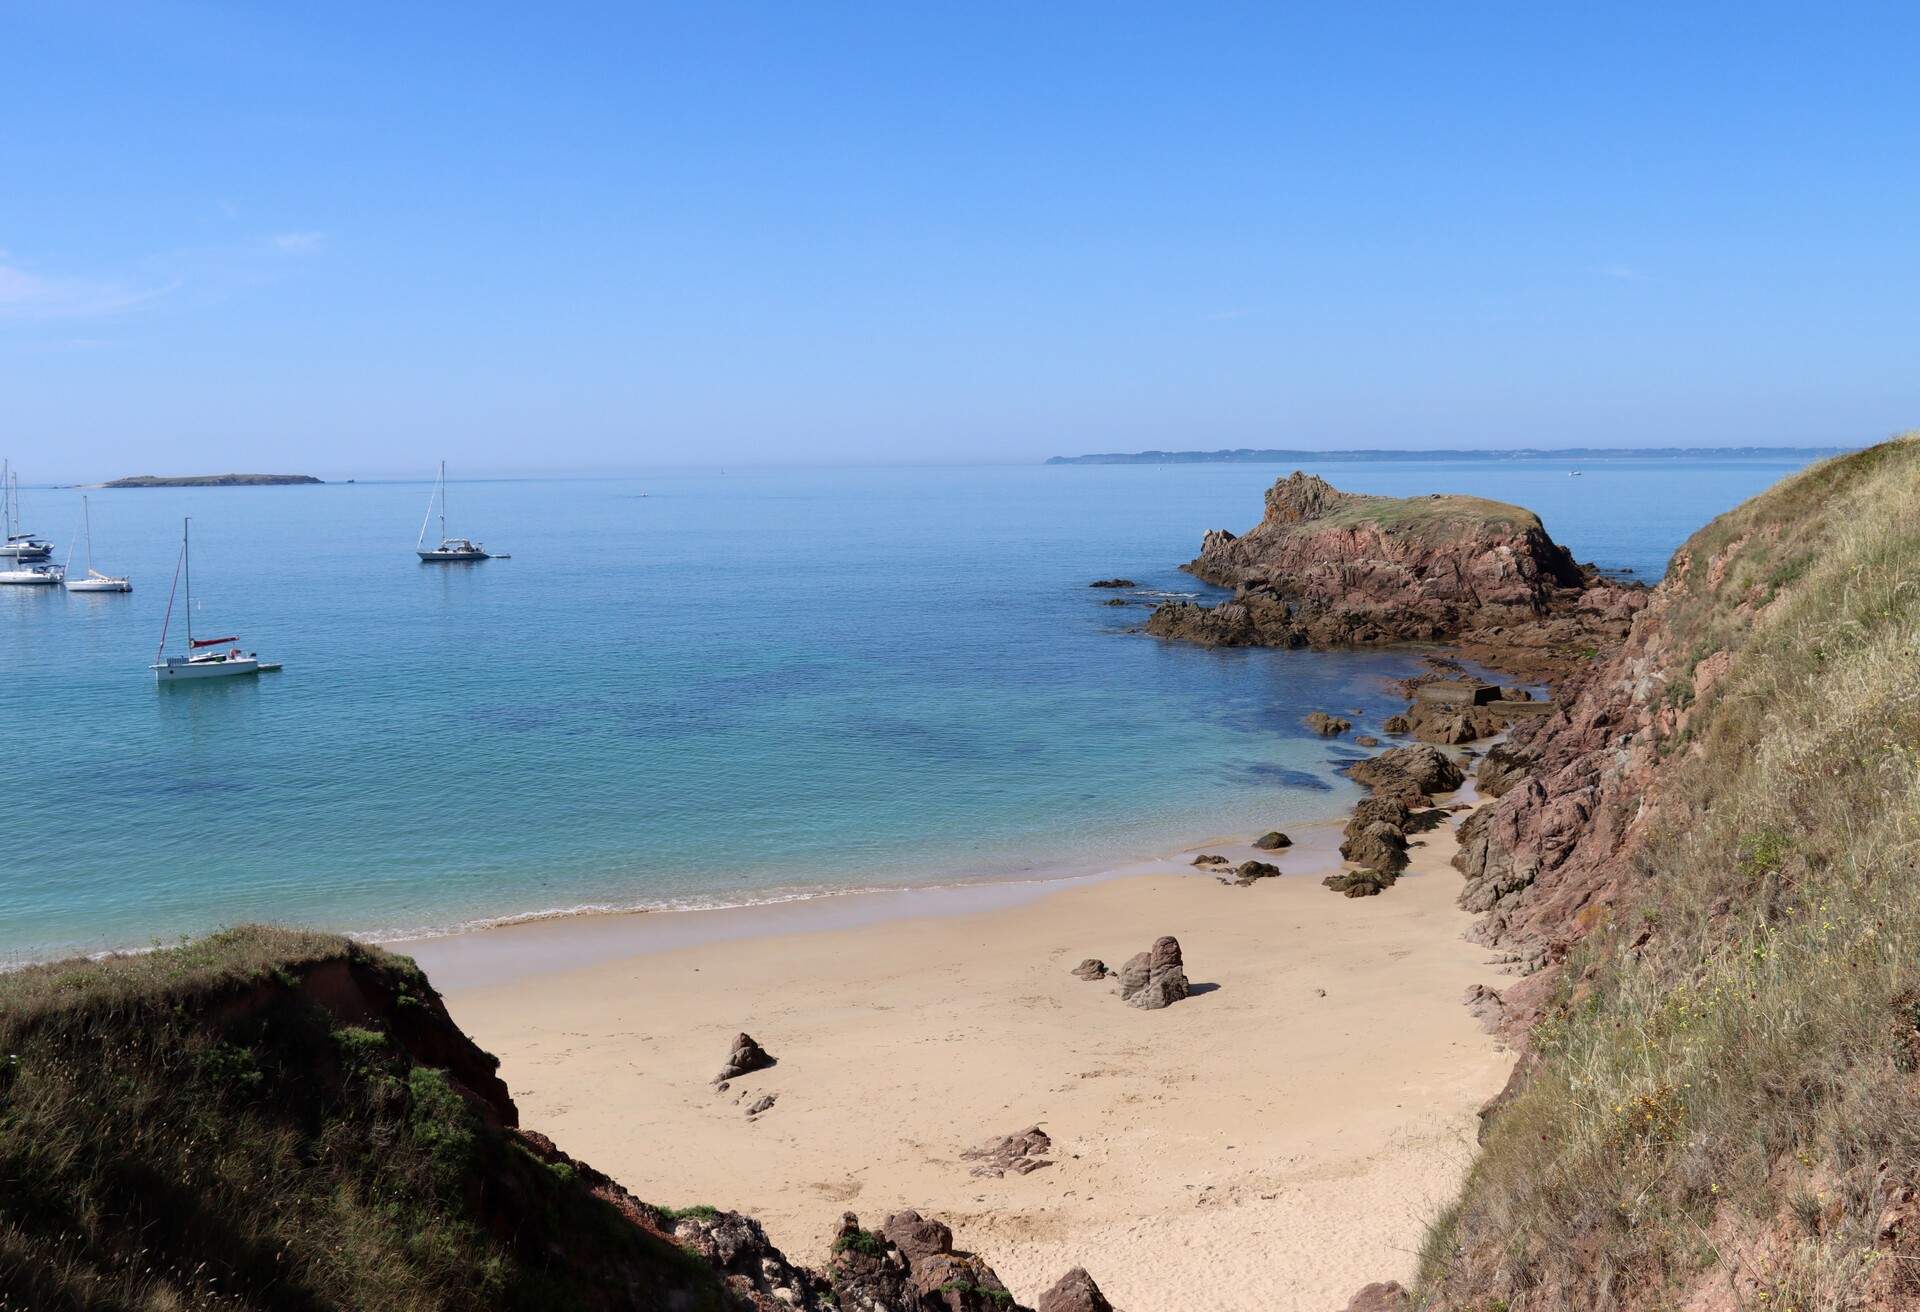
(1736, 1101)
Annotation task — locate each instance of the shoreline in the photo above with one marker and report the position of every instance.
(514, 947)
(1272, 1142)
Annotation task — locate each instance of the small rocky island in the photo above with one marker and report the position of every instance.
(213, 480)
(1326, 568)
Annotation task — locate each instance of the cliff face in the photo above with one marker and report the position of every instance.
(1703, 878)
(1327, 568)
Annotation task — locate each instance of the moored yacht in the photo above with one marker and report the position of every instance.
(202, 659)
(20, 574)
(95, 581)
(450, 549)
(14, 543)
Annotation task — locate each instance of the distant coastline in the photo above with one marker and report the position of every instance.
(1280, 455)
(212, 480)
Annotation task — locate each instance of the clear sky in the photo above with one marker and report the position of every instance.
(341, 237)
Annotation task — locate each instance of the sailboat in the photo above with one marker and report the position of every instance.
(450, 549)
(15, 544)
(200, 660)
(95, 581)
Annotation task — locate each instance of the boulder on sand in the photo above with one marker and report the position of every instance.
(1209, 859)
(1091, 968)
(1382, 1296)
(1249, 871)
(1074, 1292)
(1156, 978)
(1271, 840)
(745, 1058)
(1379, 846)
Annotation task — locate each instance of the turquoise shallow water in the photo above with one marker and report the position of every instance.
(738, 686)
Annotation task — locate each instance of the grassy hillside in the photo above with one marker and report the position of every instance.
(1727, 1107)
(267, 1119)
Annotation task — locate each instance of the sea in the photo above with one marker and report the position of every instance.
(686, 688)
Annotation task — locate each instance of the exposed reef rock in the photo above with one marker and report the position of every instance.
(1327, 568)
(1112, 583)
(1021, 1153)
(1272, 840)
(1327, 726)
(1156, 978)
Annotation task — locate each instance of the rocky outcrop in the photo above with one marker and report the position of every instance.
(1500, 769)
(1156, 978)
(1409, 773)
(911, 1265)
(744, 1058)
(1326, 568)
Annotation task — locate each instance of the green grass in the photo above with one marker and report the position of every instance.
(1737, 1096)
(192, 1128)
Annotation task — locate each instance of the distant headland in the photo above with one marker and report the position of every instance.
(212, 480)
(1259, 456)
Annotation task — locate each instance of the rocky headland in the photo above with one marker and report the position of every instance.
(1326, 568)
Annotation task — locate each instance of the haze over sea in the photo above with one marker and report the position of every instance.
(737, 686)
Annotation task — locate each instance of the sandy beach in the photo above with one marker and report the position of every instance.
(1272, 1142)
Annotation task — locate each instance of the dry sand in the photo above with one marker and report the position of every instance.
(1273, 1142)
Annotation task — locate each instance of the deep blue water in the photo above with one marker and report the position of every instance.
(736, 686)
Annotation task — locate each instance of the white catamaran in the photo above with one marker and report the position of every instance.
(15, 543)
(200, 660)
(95, 581)
(450, 549)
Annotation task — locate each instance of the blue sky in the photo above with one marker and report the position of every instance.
(350, 238)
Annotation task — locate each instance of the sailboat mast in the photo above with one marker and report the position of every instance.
(443, 501)
(86, 517)
(186, 563)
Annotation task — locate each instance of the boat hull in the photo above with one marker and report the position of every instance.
(25, 551)
(99, 585)
(451, 557)
(178, 670)
(21, 578)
